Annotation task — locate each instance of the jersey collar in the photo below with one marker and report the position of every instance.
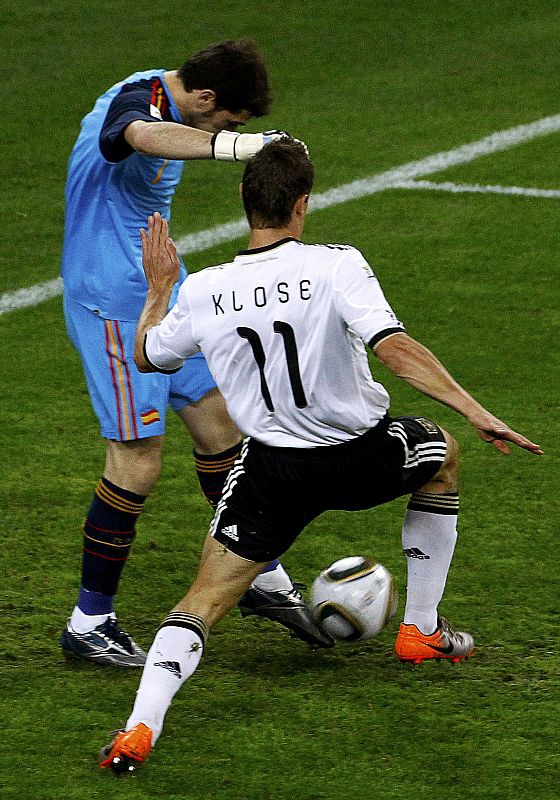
(177, 116)
(267, 247)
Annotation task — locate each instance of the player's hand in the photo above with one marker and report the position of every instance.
(231, 146)
(498, 434)
(159, 255)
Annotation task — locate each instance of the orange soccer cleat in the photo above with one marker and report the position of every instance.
(414, 646)
(128, 750)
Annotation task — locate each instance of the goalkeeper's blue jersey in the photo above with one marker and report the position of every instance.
(110, 192)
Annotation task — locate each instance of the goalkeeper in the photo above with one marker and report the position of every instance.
(125, 165)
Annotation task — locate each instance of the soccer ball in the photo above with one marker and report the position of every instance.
(354, 599)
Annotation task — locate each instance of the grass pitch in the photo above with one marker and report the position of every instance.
(474, 277)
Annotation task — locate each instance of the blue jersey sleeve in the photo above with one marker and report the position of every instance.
(134, 102)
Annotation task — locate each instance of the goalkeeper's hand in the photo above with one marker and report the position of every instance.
(230, 146)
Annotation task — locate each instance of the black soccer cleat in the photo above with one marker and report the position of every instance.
(287, 608)
(107, 644)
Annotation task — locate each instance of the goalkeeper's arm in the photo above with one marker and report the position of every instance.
(175, 141)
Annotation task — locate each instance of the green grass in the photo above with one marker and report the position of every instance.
(370, 87)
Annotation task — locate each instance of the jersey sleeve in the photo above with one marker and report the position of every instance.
(360, 300)
(169, 344)
(131, 104)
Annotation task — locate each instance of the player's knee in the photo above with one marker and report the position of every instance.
(135, 465)
(446, 479)
(449, 471)
(211, 428)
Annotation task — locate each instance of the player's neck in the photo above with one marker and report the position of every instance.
(264, 237)
(173, 83)
(177, 91)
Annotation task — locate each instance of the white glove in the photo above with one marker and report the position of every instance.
(230, 146)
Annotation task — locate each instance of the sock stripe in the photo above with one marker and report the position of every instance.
(436, 499)
(213, 470)
(130, 533)
(214, 466)
(115, 500)
(434, 503)
(105, 558)
(109, 544)
(193, 622)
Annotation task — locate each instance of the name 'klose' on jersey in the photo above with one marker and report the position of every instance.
(260, 296)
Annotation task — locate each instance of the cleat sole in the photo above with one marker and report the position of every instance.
(416, 661)
(122, 765)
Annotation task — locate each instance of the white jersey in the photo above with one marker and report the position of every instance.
(283, 330)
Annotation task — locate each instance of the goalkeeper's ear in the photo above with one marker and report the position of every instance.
(203, 100)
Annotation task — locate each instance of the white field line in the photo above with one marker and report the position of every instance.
(203, 240)
(21, 298)
(446, 186)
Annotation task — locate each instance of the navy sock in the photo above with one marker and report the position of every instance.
(109, 531)
(212, 472)
(270, 567)
(94, 603)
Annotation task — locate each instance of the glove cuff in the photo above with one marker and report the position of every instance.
(223, 146)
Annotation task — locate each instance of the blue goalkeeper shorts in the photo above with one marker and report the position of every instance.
(129, 404)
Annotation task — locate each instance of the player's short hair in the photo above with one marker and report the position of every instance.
(273, 181)
(235, 71)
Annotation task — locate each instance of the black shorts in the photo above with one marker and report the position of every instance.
(272, 493)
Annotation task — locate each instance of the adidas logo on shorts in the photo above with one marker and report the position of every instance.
(231, 532)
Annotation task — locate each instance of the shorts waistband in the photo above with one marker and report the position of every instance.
(342, 450)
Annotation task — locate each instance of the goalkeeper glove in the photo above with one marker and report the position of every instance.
(230, 146)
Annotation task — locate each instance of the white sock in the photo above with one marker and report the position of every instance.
(428, 540)
(84, 623)
(173, 657)
(276, 580)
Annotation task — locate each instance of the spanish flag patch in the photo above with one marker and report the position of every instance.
(148, 417)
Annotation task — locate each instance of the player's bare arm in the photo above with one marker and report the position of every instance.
(415, 364)
(169, 140)
(161, 267)
(181, 142)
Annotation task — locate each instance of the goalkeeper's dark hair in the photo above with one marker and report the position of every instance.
(273, 181)
(235, 71)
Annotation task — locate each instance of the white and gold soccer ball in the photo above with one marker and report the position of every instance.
(354, 599)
